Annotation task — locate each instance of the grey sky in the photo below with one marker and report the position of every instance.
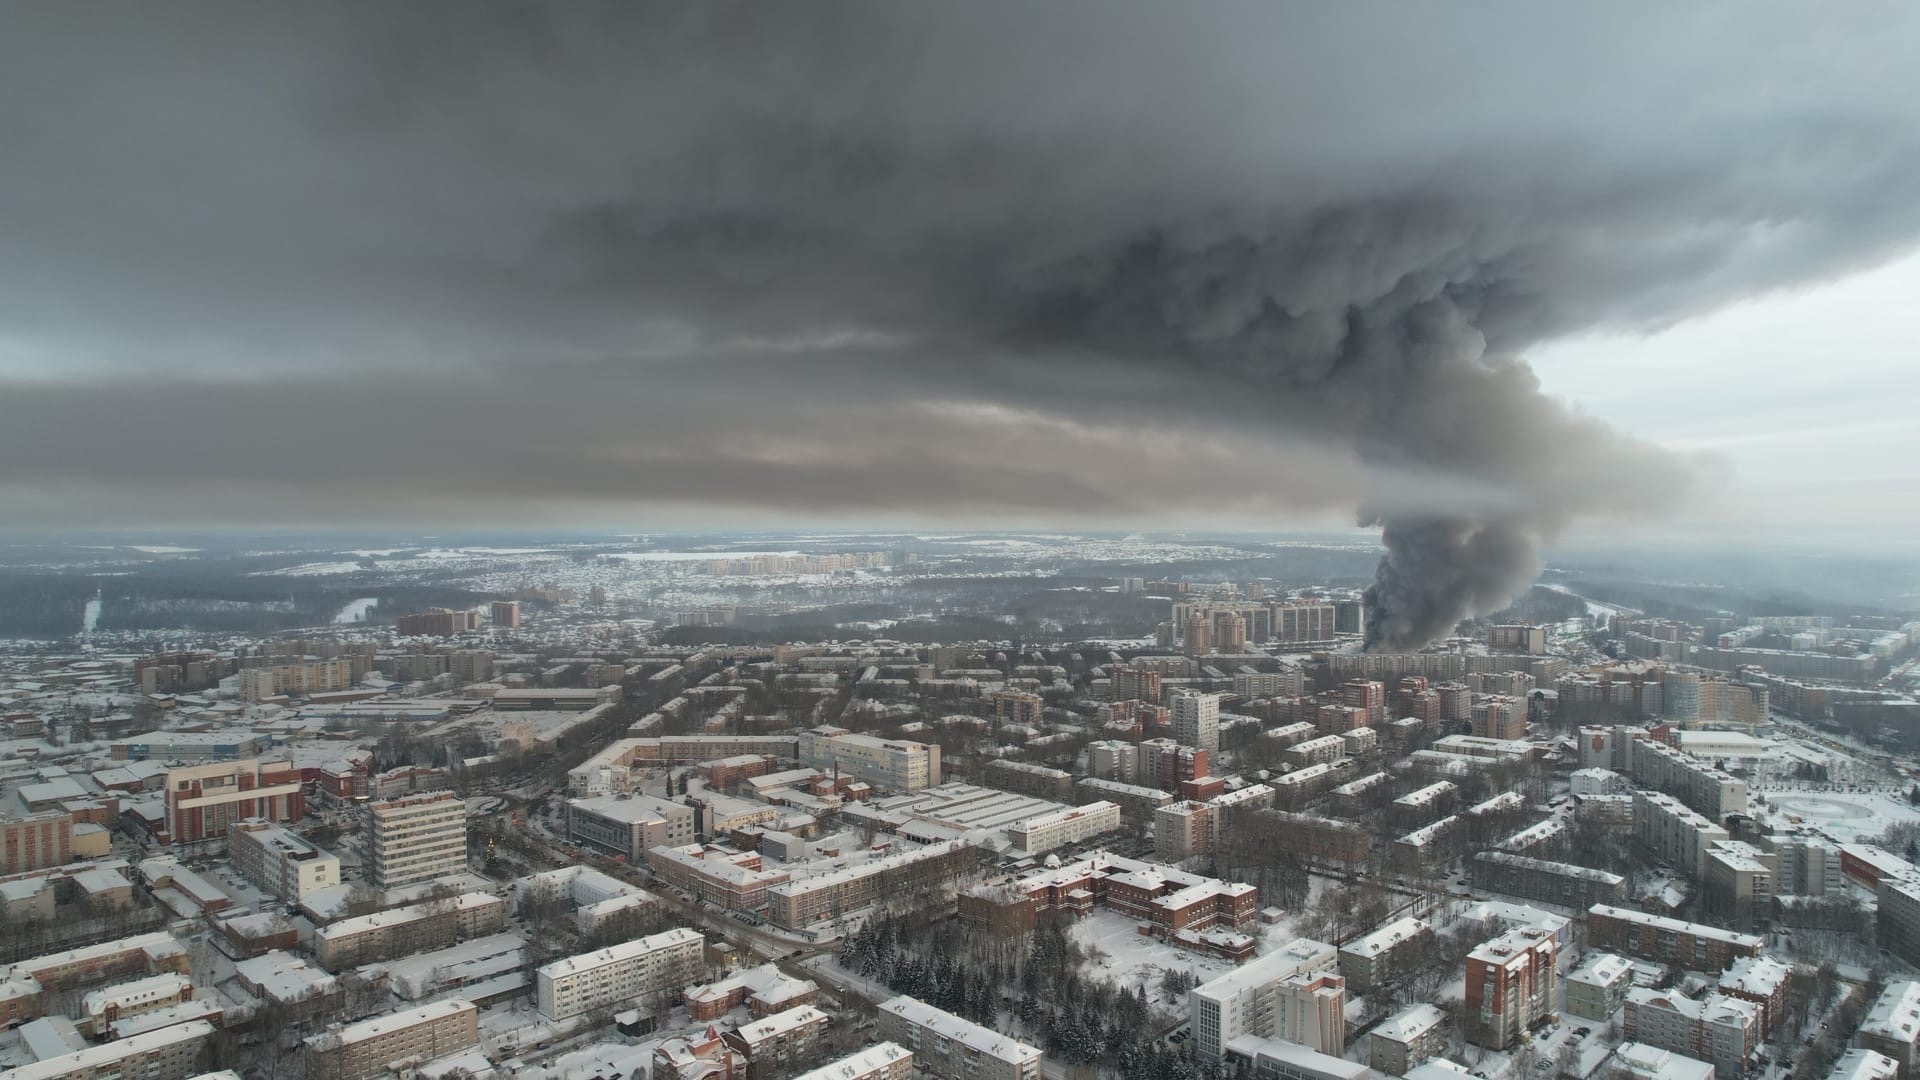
(1076, 261)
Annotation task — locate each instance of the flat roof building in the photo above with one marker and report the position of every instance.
(417, 839)
(947, 1046)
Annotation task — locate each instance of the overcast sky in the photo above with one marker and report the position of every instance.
(1123, 264)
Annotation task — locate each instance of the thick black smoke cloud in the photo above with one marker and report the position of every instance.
(1075, 260)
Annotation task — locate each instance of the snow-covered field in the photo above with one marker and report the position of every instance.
(1135, 959)
(1845, 814)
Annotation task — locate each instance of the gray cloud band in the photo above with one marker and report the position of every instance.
(1090, 260)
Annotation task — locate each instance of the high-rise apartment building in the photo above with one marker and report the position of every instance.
(1196, 634)
(1497, 716)
(436, 622)
(1510, 986)
(1111, 759)
(1230, 633)
(1196, 719)
(1133, 684)
(1369, 695)
(1246, 1000)
(1518, 638)
(505, 614)
(414, 840)
(1310, 1009)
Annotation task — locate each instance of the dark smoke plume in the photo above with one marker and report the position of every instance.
(1091, 261)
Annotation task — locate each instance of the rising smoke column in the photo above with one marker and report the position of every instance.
(1438, 570)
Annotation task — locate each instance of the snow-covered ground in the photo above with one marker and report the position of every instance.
(1846, 815)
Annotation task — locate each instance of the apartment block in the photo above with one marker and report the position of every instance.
(1674, 833)
(885, 1061)
(1310, 1009)
(951, 1048)
(1263, 684)
(1858, 1064)
(1598, 987)
(35, 841)
(505, 614)
(773, 1044)
(205, 801)
(1018, 707)
(1498, 716)
(663, 963)
(1133, 684)
(1693, 946)
(299, 677)
(1385, 954)
(415, 840)
(1246, 1000)
(279, 860)
(1196, 719)
(1718, 1029)
(371, 1048)
(168, 1053)
(1112, 759)
(1763, 981)
(1708, 790)
(1510, 986)
(1738, 885)
(1515, 637)
(888, 764)
(1549, 882)
(404, 931)
(1407, 1038)
(1321, 751)
(1892, 1025)
(436, 622)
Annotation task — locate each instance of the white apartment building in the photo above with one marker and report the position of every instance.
(1859, 1064)
(1310, 1009)
(888, 764)
(1111, 759)
(1892, 1026)
(1674, 832)
(280, 861)
(1038, 835)
(617, 975)
(951, 1048)
(1245, 1001)
(414, 840)
(1196, 719)
(886, 1061)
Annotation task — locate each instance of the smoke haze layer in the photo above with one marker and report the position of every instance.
(1091, 261)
